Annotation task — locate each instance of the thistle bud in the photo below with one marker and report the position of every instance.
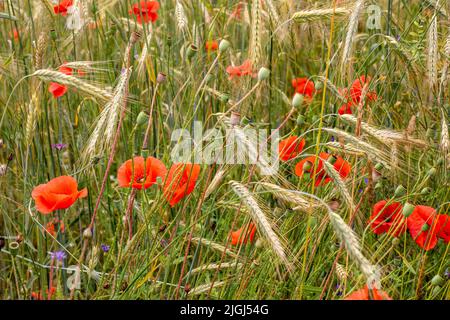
(224, 45)
(297, 100)
(408, 208)
(161, 78)
(142, 118)
(263, 74)
(437, 280)
(400, 191)
(191, 51)
(318, 85)
(87, 233)
(425, 191)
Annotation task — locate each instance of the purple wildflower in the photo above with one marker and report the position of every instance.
(105, 247)
(58, 255)
(59, 146)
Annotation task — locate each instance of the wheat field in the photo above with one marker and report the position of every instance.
(100, 99)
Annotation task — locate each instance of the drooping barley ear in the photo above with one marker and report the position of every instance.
(445, 68)
(444, 135)
(351, 31)
(352, 245)
(180, 15)
(341, 273)
(40, 49)
(263, 224)
(83, 86)
(339, 184)
(347, 148)
(432, 53)
(215, 246)
(215, 182)
(255, 35)
(217, 266)
(319, 14)
(206, 287)
(290, 196)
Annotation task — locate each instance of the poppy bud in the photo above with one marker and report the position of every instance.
(318, 85)
(307, 166)
(334, 204)
(187, 288)
(235, 118)
(263, 74)
(376, 175)
(142, 118)
(408, 208)
(224, 97)
(87, 233)
(161, 77)
(400, 191)
(300, 119)
(332, 159)
(224, 45)
(379, 166)
(437, 280)
(395, 241)
(297, 100)
(425, 191)
(431, 172)
(191, 51)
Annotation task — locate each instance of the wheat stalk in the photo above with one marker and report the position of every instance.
(340, 272)
(340, 184)
(215, 246)
(290, 196)
(432, 55)
(352, 29)
(255, 35)
(180, 16)
(319, 14)
(261, 220)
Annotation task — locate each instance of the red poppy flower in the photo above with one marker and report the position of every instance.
(238, 71)
(139, 174)
(145, 11)
(15, 34)
(180, 181)
(387, 218)
(211, 46)
(363, 294)
(56, 89)
(62, 6)
(357, 88)
(304, 86)
(50, 226)
(426, 226)
(237, 12)
(290, 147)
(38, 295)
(58, 193)
(321, 177)
(346, 108)
(238, 236)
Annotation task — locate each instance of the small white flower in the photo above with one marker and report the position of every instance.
(74, 20)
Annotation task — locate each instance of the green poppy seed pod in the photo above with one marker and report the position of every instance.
(297, 100)
(87, 233)
(14, 247)
(425, 191)
(191, 51)
(332, 159)
(224, 45)
(395, 241)
(400, 191)
(300, 119)
(259, 243)
(263, 74)
(437, 280)
(307, 166)
(408, 208)
(318, 85)
(431, 172)
(379, 166)
(142, 118)
(425, 227)
(378, 185)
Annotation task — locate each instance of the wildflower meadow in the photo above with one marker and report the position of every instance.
(224, 149)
